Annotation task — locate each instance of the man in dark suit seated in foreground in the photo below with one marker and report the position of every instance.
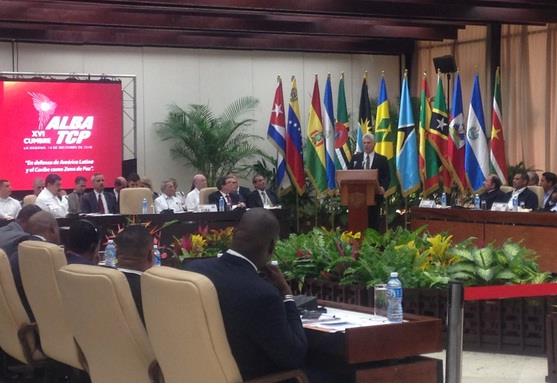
(260, 317)
(83, 243)
(261, 196)
(526, 198)
(492, 192)
(134, 250)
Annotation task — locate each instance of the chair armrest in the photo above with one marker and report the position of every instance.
(25, 334)
(296, 374)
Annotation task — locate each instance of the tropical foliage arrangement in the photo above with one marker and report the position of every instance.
(203, 243)
(422, 260)
(213, 144)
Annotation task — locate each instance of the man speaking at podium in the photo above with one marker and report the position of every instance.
(370, 160)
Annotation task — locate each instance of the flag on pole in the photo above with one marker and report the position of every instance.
(329, 128)
(438, 130)
(315, 143)
(384, 135)
(497, 144)
(364, 117)
(342, 147)
(428, 161)
(276, 132)
(457, 133)
(406, 146)
(294, 157)
(476, 160)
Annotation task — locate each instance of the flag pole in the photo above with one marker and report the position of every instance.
(297, 213)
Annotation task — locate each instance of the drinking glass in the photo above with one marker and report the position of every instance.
(380, 299)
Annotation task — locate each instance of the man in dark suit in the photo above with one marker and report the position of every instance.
(17, 231)
(98, 200)
(492, 192)
(261, 196)
(42, 227)
(368, 160)
(226, 186)
(74, 198)
(83, 241)
(548, 183)
(526, 198)
(260, 317)
(243, 192)
(134, 250)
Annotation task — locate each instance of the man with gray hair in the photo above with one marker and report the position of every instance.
(192, 199)
(168, 199)
(370, 160)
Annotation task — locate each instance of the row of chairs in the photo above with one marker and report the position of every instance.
(86, 318)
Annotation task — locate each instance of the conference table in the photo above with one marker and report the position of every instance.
(537, 230)
(388, 352)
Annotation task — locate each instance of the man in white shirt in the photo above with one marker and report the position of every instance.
(9, 207)
(48, 198)
(168, 199)
(192, 199)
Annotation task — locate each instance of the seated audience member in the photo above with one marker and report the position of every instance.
(98, 200)
(226, 186)
(134, 250)
(168, 199)
(192, 199)
(42, 227)
(526, 198)
(261, 196)
(38, 186)
(243, 192)
(83, 243)
(74, 198)
(119, 183)
(548, 183)
(48, 198)
(133, 180)
(179, 194)
(260, 317)
(493, 191)
(552, 203)
(9, 207)
(17, 231)
(533, 178)
(146, 182)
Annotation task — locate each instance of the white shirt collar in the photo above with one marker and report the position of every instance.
(40, 237)
(124, 270)
(236, 254)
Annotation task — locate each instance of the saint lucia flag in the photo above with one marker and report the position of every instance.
(406, 145)
(476, 161)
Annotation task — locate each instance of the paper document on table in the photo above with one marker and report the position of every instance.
(337, 320)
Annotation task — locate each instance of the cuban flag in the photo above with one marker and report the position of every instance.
(276, 133)
(476, 161)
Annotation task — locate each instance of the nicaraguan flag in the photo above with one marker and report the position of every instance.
(329, 127)
(476, 160)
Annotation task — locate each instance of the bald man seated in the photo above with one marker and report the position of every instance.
(42, 227)
(260, 317)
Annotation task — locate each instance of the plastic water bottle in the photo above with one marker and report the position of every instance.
(394, 298)
(144, 206)
(221, 203)
(444, 199)
(110, 254)
(156, 256)
(477, 202)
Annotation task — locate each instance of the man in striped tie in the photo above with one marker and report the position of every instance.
(261, 196)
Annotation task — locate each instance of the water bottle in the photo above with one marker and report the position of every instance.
(477, 202)
(515, 203)
(156, 256)
(394, 298)
(110, 254)
(221, 203)
(444, 199)
(144, 207)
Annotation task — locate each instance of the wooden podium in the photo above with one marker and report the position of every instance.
(357, 191)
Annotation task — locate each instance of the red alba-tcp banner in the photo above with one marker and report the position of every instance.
(68, 128)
